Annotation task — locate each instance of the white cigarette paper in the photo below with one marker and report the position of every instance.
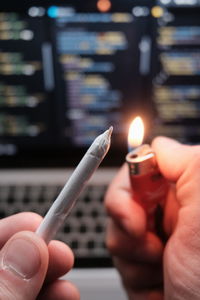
(74, 186)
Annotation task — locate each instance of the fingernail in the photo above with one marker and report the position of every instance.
(22, 258)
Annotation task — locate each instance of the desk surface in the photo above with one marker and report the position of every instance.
(97, 284)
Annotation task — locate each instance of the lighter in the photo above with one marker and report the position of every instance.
(148, 184)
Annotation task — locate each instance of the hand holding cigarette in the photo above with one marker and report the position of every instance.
(29, 269)
(139, 254)
(25, 259)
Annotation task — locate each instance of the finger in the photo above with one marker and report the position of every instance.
(173, 157)
(60, 289)
(23, 266)
(139, 276)
(23, 221)
(61, 260)
(60, 255)
(180, 163)
(147, 249)
(121, 206)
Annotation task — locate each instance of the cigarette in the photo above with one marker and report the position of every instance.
(65, 201)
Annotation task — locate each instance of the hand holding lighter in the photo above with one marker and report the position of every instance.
(148, 184)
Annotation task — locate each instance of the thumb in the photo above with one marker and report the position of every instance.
(172, 157)
(180, 164)
(23, 266)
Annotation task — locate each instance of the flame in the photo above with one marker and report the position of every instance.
(136, 133)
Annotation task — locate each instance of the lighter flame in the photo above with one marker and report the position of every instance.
(136, 133)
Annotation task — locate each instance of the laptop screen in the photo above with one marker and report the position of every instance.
(68, 71)
(71, 69)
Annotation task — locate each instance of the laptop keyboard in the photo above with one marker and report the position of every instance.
(84, 229)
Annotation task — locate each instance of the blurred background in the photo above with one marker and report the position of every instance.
(69, 70)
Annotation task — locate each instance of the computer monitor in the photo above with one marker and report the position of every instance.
(68, 71)
(176, 70)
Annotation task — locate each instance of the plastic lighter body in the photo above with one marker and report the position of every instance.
(148, 184)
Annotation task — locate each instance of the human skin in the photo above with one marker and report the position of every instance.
(54, 261)
(151, 268)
